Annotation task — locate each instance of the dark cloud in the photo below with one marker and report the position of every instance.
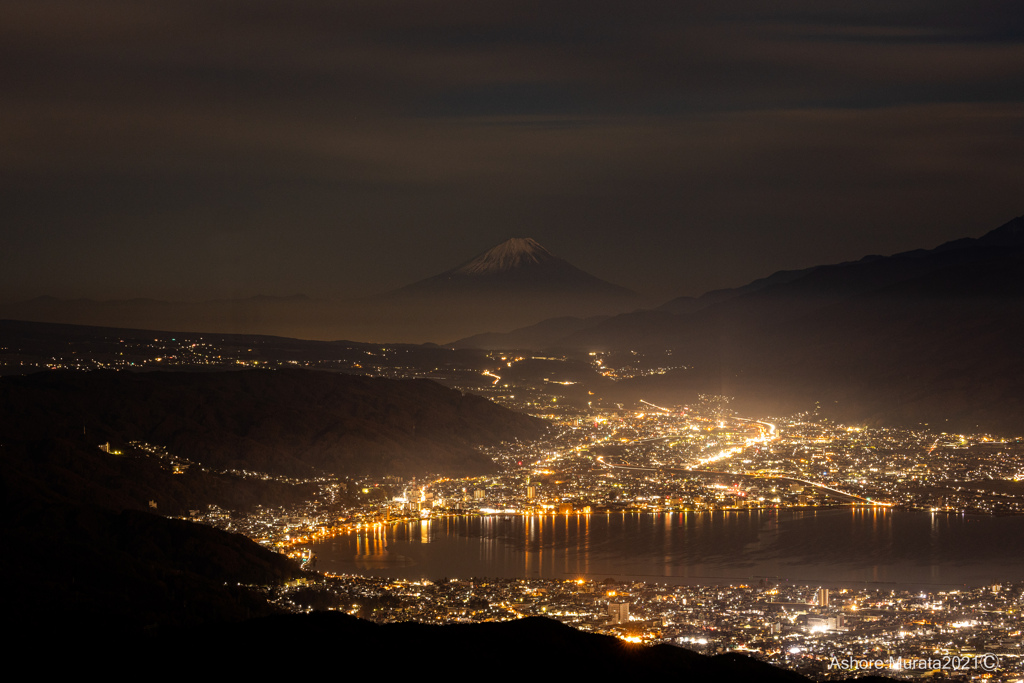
(203, 149)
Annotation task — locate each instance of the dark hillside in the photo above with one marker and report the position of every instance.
(289, 422)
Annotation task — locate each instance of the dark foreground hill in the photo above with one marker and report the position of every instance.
(81, 568)
(288, 422)
(330, 643)
(80, 558)
(534, 648)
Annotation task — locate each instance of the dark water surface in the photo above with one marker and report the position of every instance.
(841, 547)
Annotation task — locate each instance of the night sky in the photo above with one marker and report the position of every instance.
(224, 148)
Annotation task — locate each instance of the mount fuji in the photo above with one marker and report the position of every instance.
(519, 266)
(515, 283)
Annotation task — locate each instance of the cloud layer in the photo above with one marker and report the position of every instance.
(203, 149)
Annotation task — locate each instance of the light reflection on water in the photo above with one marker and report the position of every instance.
(847, 546)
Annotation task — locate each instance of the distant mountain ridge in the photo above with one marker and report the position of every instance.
(802, 291)
(928, 335)
(515, 283)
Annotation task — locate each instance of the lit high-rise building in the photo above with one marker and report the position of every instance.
(619, 612)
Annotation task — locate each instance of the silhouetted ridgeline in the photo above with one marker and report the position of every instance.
(76, 568)
(534, 648)
(290, 422)
(537, 648)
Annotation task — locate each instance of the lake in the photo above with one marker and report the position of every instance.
(833, 547)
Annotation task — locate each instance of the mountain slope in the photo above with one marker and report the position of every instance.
(87, 558)
(290, 422)
(922, 336)
(516, 283)
(518, 266)
(513, 284)
(565, 653)
(906, 279)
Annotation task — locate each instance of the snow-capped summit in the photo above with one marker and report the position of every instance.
(512, 253)
(515, 268)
